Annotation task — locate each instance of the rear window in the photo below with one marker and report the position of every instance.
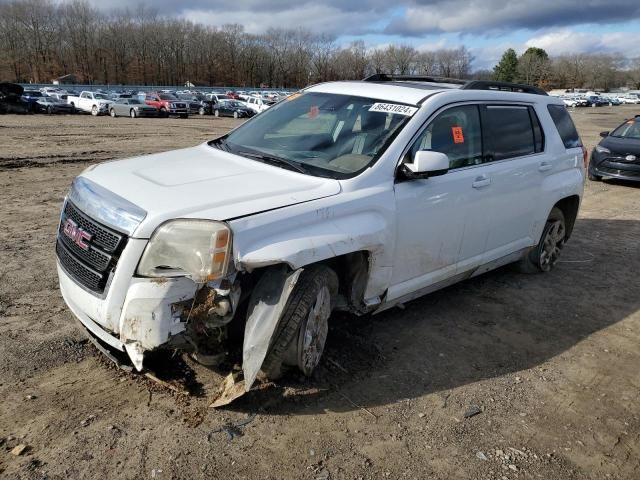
(565, 126)
(509, 132)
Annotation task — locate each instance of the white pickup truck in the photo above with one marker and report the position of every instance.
(91, 102)
(352, 196)
(257, 104)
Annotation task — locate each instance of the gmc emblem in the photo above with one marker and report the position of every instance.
(77, 234)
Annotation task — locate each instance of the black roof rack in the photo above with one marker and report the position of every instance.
(385, 77)
(465, 84)
(502, 86)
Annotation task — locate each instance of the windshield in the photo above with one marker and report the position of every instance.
(324, 134)
(631, 129)
(166, 96)
(100, 96)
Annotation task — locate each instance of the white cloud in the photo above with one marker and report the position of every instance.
(567, 41)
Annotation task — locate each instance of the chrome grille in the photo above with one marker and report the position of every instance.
(91, 267)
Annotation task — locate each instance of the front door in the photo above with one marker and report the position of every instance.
(440, 231)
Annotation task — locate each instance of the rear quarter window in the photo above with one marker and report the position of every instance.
(565, 126)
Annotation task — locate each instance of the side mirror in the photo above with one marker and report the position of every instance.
(427, 163)
(604, 134)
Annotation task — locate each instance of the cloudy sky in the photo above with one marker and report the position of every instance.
(487, 27)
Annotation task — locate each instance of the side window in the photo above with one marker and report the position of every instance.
(565, 126)
(538, 133)
(455, 132)
(84, 95)
(508, 132)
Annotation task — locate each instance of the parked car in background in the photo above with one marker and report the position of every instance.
(569, 102)
(233, 94)
(216, 97)
(54, 105)
(132, 107)
(95, 103)
(258, 104)
(11, 98)
(192, 101)
(167, 104)
(618, 153)
(630, 99)
(232, 108)
(31, 97)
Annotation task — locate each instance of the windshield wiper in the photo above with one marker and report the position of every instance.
(274, 160)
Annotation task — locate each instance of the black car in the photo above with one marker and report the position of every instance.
(11, 98)
(32, 97)
(618, 153)
(232, 108)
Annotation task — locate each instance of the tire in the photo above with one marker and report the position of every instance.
(593, 177)
(132, 113)
(163, 112)
(49, 110)
(184, 115)
(112, 112)
(235, 115)
(302, 331)
(201, 111)
(544, 256)
(94, 111)
(217, 113)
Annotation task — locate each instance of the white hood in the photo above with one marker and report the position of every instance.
(204, 182)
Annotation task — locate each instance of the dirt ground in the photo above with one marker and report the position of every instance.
(551, 361)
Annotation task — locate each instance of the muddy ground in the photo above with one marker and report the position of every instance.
(551, 361)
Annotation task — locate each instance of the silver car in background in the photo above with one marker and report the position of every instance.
(132, 107)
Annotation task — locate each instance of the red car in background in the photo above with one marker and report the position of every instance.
(167, 104)
(233, 95)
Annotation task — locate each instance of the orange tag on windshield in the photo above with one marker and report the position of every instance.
(458, 136)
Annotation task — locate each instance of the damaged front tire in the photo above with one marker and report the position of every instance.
(302, 330)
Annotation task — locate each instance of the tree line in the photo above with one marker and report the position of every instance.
(580, 70)
(43, 39)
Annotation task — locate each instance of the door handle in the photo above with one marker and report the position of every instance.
(544, 166)
(481, 181)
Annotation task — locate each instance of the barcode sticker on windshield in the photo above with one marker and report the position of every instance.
(393, 108)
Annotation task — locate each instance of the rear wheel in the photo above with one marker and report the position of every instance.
(302, 331)
(112, 112)
(235, 115)
(49, 110)
(544, 256)
(132, 113)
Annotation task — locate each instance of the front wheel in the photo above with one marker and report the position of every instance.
(163, 112)
(184, 115)
(235, 115)
(544, 256)
(132, 113)
(201, 111)
(94, 111)
(302, 331)
(112, 112)
(217, 113)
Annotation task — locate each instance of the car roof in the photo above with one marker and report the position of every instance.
(413, 93)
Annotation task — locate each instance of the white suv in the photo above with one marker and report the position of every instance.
(353, 195)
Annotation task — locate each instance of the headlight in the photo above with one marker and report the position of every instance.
(198, 249)
(601, 149)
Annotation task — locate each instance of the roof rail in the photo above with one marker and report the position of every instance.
(502, 86)
(465, 84)
(385, 77)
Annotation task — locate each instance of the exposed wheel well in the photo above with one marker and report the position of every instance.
(352, 270)
(569, 207)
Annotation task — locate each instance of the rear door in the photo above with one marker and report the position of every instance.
(517, 165)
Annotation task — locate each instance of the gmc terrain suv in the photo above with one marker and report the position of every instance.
(355, 195)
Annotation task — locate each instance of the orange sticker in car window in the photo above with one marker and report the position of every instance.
(458, 136)
(314, 111)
